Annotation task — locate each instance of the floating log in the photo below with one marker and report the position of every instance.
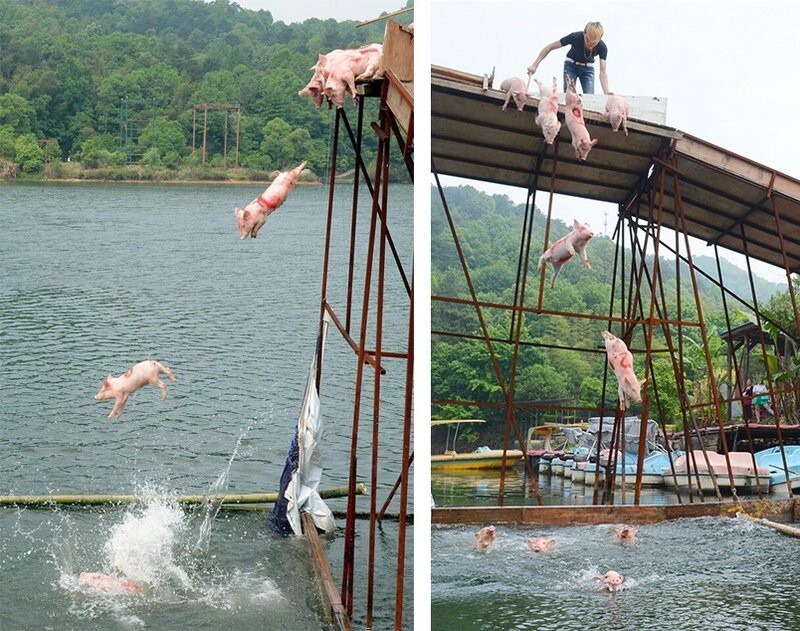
(48, 501)
(784, 528)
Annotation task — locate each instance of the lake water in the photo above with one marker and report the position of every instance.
(95, 278)
(705, 574)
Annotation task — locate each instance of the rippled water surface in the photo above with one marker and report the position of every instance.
(94, 278)
(705, 574)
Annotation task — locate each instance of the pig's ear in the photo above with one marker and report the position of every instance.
(576, 223)
(246, 215)
(107, 380)
(594, 142)
(322, 59)
(641, 383)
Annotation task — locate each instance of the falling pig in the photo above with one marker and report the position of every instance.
(582, 143)
(621, 361)
(138, 376)
(250, 220)
(548, 111)
(566, 247)
(516, 89)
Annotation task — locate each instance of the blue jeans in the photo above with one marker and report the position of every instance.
(584, 73)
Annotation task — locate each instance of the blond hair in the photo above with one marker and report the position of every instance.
(594, 31)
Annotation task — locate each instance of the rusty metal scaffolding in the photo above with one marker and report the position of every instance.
(648, 183)
(371, 352)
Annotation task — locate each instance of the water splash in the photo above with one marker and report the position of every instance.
(210, 507)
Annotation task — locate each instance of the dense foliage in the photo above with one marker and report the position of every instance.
(489, 229)
(107, 82)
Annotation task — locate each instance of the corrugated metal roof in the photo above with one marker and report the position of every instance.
(722, 192)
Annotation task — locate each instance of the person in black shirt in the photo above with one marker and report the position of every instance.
(584, 47)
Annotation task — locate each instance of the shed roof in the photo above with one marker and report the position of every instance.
(723, 194)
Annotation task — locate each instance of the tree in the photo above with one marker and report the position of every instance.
(29, 154)
(16, 112)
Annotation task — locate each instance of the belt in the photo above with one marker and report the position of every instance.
(577, 63)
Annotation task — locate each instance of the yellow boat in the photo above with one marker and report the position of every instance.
(482, 458)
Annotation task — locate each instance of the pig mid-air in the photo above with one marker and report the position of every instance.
(540, 544)
(566, 247)
(484, 537)
(515, 88)
(625, 535)
(110, 584)
(250, 220)
(611, 580)
(342, 72)
(548, 111)
(120, 388)
(573, 113)
(617, 112)
(621, 361)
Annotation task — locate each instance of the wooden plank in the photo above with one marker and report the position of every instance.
(585, 515)
(331, 600)
(457, 75)
(398, 52)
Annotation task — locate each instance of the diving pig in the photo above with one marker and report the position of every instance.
(564, 249)
(516, 89)
(254, 215)
(540, 544)
(621, 361)
(617, 112)
(484, 537)
(626, 535)
(351, 65)
(548, 111)
(581, 141)
(120, 388)
(106, 583)
(611, 580)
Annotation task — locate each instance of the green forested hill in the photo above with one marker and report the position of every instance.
(489, 230)
(67, 65)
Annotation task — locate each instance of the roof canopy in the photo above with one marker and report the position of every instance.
(723, 194)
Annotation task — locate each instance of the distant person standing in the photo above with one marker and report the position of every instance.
(761, 401)
(584, 47)
(747, 400)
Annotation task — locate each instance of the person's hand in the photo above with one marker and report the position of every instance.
(532, 68)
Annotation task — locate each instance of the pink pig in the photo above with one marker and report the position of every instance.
(254, 215)
(611, 580)
(617, 112)
(316, 85)
(517, 89)
(621, 361)
(352, 65)
(548, 111)
(106, 583)
(120, 388)
(540, 544)
(484, 537)
(566, 247)
(625, 535)
(581, 141)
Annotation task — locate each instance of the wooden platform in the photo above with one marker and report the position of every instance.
(783, 510)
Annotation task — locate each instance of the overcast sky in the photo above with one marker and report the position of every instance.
(340, 10)
(727, 69)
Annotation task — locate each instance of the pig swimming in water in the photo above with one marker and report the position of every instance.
(110, 584)
(611, 580)
(484, 537)
(540, 544)
(625, 535)
(250, 220)
(548, 111)
(566, 247)
(582, 142)
(621, 361)
(120, 388)
(617, 112)
(517, 90)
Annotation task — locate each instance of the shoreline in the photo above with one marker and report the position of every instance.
(137, 181)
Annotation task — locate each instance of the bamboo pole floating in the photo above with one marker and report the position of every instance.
(783, 528)
(189, 500)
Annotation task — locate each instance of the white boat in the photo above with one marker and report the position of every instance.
(742, 472)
